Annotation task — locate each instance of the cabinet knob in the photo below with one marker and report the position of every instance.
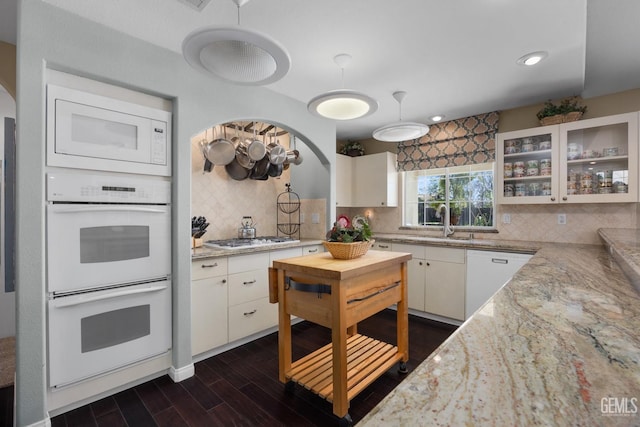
(428, 264)
(224, 280)
(553, 199)
(420, 263)
(564, 198)
(382, 203)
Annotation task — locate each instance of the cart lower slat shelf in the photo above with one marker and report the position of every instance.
(367, 359)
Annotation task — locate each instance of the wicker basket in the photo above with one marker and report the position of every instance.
(561, 118)
(353, 250)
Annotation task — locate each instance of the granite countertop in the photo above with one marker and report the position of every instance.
(554, 342)
(204, 252)
(519, 246)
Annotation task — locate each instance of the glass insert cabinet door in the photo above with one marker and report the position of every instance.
(600, 158)
(527, 167)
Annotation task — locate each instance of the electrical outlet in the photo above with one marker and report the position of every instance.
(506, 218)
(315, 218)
(562, 219)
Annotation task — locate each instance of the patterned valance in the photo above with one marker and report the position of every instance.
(454, 143)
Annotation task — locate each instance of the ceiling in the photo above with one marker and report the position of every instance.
(456, 58)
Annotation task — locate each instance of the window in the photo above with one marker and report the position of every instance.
(466, 190)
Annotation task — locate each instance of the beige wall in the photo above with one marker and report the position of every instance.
(533, 222)
(8, 67)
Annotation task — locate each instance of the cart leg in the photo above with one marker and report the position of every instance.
(402, 368)
(345, 421)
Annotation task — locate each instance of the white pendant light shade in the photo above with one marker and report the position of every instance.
(342, 104)
(237, 55)
(401, 130)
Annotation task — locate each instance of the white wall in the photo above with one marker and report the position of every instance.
(7, 300)
(49, 38)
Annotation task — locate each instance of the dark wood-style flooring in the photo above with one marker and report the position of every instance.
(240, 387)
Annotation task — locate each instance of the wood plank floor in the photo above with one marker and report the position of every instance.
(240, 387)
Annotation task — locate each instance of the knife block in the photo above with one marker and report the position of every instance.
(196, 243)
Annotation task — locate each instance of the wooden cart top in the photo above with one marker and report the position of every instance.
(325, 266)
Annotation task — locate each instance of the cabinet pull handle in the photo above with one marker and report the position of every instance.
(250, 282)
(215, 264)
(384, 246)
(312, 250)
(249, 313)
(500, 260)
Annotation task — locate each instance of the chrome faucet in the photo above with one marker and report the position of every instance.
(443, 211)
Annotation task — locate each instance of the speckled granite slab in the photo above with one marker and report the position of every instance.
(557, 346)
(624, 245)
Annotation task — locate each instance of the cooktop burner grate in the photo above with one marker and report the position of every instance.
(244, 243)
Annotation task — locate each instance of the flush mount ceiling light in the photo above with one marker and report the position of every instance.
(237, 55)
(342, 104)
(400, 131)
(437, 118)
(532, 58)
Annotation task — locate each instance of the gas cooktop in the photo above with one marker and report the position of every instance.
(247, 243)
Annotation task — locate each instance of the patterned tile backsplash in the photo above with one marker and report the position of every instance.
(537, 223)
(224, 201)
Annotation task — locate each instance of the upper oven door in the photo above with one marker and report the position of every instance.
(90, 246)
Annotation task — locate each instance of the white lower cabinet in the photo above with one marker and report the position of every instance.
(436, 279)
(487, 272)
(209, 305)
(230, 297)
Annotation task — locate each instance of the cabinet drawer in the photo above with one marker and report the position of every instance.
(310, 250)
(251, 317)
(256, 261)
(285, 253)
(382, 246)
(445, 254)
(203, 268)
(248, 286)
(417, 251)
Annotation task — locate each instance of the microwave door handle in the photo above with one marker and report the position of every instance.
(108, 208)
(85, 298)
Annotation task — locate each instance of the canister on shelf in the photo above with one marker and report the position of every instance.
(508, 170)
(545, 167)
(610, 151)
(572, 187)
(508, 190)
(546, 188)
(528, 145)
(544, 145)
(605, 178)
(534, 189)
(573, 151)
(518, 169)
(533, 168)
(521, 190)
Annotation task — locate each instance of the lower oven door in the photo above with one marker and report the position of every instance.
(91, 246)
(95, 332)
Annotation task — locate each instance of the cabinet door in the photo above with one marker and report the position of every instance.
(600, 160)
(416, 283)
(344, 181)
(444, 289)
(375, 180)
(527, 166)
(208, 314)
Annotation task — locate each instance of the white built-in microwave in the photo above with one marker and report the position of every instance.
(89, 131)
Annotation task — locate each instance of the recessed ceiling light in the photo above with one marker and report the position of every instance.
(437, 118)
(532, 58)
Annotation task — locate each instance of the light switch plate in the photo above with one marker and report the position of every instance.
(562, 219)
(315, 218)
(301, 218)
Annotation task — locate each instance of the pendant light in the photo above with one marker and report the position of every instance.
(400, 131)
(237, 55)
(342, 104)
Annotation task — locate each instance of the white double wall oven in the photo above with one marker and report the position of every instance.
(108, 234)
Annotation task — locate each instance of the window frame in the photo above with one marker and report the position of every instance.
(447, 172)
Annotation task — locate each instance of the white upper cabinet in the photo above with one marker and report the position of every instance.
(586, 161)
(367, 181)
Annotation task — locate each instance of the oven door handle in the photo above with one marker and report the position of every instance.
(108, 208)
(88, 297)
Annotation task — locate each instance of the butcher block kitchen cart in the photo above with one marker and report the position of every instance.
(338, 294)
